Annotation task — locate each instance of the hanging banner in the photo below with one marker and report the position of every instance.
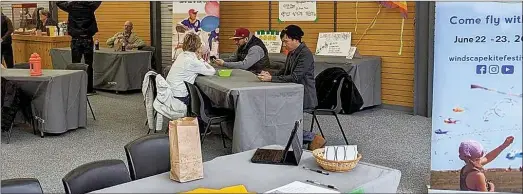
(200, 17)
(297, 11)
(477, 108)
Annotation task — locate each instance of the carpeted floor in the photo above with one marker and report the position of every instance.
(384, 137)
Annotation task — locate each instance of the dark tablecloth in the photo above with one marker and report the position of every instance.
(60, 96)
(365, 72)
(113, 70)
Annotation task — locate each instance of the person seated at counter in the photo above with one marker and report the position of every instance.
(128, 38)
(251, 54)
(299, 66)
(46, 20)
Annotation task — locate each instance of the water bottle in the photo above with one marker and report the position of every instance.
(96, 44)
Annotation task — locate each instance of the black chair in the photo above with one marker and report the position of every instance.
(95, 176)
(148, 155)
(22, 66)
(206, 112)
(21, 185)
(153, 56)
(12, 103)
(332, 111)
(83, 67)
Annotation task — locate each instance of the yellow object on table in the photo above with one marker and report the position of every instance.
(231, 189)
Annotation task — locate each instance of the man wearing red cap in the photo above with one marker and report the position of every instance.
(192, 22)
(251, 55)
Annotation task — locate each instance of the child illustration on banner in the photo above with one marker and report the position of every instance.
(472, 176)
(199, 17)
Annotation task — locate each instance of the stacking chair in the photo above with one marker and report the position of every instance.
(21, 185)
(153, 56)
(148, 155)
(95, 176)
(332, 111)
(83, 67)
(206, 112)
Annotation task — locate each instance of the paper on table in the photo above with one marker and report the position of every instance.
(300, 187)
(338, 153)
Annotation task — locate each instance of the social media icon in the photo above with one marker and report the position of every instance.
(493, 69)
(481, 69)
(507, 69)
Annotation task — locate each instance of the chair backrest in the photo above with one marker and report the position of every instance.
(22, 66)
(77, 66)
(195, 103)
(95, 175)
(21, 185)
(148, 155)
(198, 104)
(337, 108)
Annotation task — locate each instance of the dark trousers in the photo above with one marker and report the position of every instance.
(7, 55)
(83, 47)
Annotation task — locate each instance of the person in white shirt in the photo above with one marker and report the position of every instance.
(187, 66)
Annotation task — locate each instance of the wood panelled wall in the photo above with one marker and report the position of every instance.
(111, 16)
(383, 39)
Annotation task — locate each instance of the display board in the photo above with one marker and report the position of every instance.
(477, 109)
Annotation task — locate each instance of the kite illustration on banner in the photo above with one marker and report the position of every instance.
(402, 5)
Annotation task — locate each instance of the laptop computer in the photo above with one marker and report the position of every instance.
(282, 157)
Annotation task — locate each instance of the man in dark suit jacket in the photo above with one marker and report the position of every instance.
(299, 66)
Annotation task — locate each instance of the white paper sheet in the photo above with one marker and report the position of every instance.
(338, 153)
(300, 187)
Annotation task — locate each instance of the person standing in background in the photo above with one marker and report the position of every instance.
(82, 27)
(7, 48)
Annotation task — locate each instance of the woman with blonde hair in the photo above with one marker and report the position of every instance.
(187, 66)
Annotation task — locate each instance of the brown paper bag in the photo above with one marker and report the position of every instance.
(186, 150)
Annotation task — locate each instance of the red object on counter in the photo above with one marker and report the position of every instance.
(35, 63)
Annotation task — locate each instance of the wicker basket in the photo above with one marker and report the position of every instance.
(334, 166)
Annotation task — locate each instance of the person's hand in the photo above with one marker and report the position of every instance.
(120, 36)
(219, 62)
(508, 141)
(264, 77)
(491, 184)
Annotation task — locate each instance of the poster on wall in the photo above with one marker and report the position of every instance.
(200, 17)
(477, 97)
(297, 11)
(334, 44)
(271, 39)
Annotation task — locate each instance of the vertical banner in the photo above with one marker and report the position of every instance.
(477, 109)
(200, 17)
